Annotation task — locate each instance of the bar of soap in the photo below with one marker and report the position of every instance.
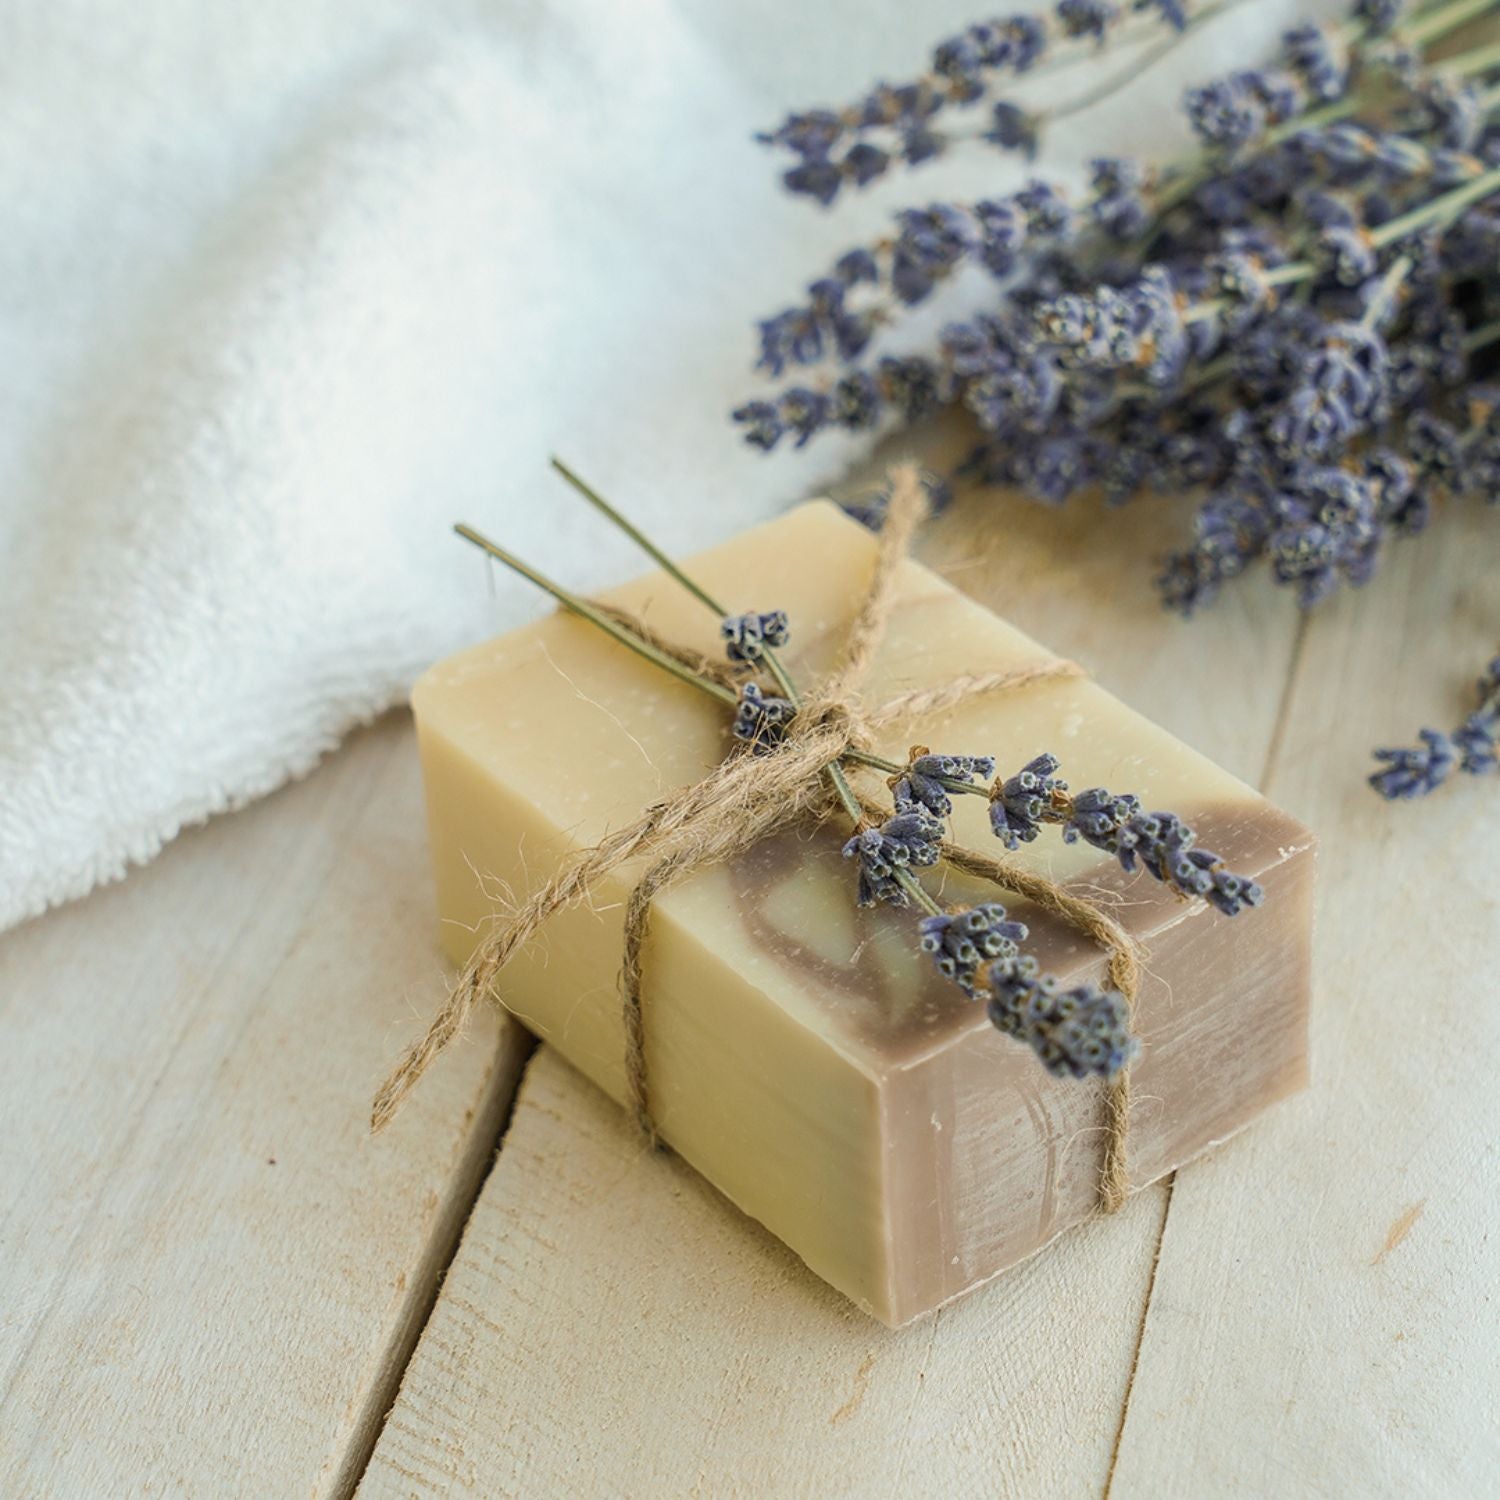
(802, 1054)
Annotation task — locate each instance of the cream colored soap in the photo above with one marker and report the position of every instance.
(802, 1054)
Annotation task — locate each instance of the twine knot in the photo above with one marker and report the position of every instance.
(751, 795)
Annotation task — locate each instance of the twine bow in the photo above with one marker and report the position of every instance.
(748, 797)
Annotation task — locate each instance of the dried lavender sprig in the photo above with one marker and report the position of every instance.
(1085, 334)
(1472, 748)
(932, 243)
(962, 943)
(834, 148)
(1075, 1032)
(757, 722)
(1161, 843)
(584, 609)
(927, 779)
(928, 247)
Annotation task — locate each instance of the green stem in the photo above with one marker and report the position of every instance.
(1445, 18)
(1385, 291)
(1478, 338)
(913, 888)
(589, 493)
(837, 779)
(1476, 60)
(1123, 76)
(639, 537)
(582, 608)
(1437, 208)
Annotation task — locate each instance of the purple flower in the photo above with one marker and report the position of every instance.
(747, 636)
(909, 840)
(1434, 447)
(1346, 255)
(1120, 208)
(1089, 18)
(1473, 748)
(856, 402)
(1313, 54)
(1401, 505)
(922, 783)
(1022, 803)
(1162, 844)
(1418, 771)
(1231, 529)
(1326, 531)
(803, 412)
(1075, 1032)
(930, 243)
(1226, 113)
(1287, 321)
(760, 719)
(1012, 128)
(1447, 108)
(1340, 392)
(962, 942)
(1378, 15)
(761, 422)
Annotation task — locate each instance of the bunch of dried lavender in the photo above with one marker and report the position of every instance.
(1292, 320)
(1076, 1032)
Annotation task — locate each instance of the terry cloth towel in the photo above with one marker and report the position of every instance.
(286, 289)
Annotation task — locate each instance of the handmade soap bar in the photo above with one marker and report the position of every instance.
(801, 1053)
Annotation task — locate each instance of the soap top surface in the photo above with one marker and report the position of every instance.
(589, 734)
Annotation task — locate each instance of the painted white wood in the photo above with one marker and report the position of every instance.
(1325, 1319)
(611, 1326)
(210, 1275)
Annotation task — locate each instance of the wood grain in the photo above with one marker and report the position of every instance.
(1325, 1319)
(211, 1276)
(610, 1326)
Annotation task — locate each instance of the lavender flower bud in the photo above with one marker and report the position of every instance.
(1088, 18)
(759, 719)
(1023, 802)
(1378, 16)
(1473, 748)
(908, 840)
(747, 636)
(1012, 128)
(962, 943)
(1318, 60)
(1162, 844)
(1075, 1032)
(921, 785)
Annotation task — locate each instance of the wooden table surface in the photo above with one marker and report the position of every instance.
(214, 1282)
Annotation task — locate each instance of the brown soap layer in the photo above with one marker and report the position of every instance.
(888, 999)
(986, 1157)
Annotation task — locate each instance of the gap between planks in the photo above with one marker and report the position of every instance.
(513, 1051)
(1296, 654)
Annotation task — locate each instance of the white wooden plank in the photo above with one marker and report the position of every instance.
(1324, 1320)
(611, 1326)
(211, 1275)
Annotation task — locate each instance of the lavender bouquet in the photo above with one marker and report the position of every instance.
(1293, 321)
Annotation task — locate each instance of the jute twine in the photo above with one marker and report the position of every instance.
(748, 797)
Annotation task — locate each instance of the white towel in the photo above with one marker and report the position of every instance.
(286, 289)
